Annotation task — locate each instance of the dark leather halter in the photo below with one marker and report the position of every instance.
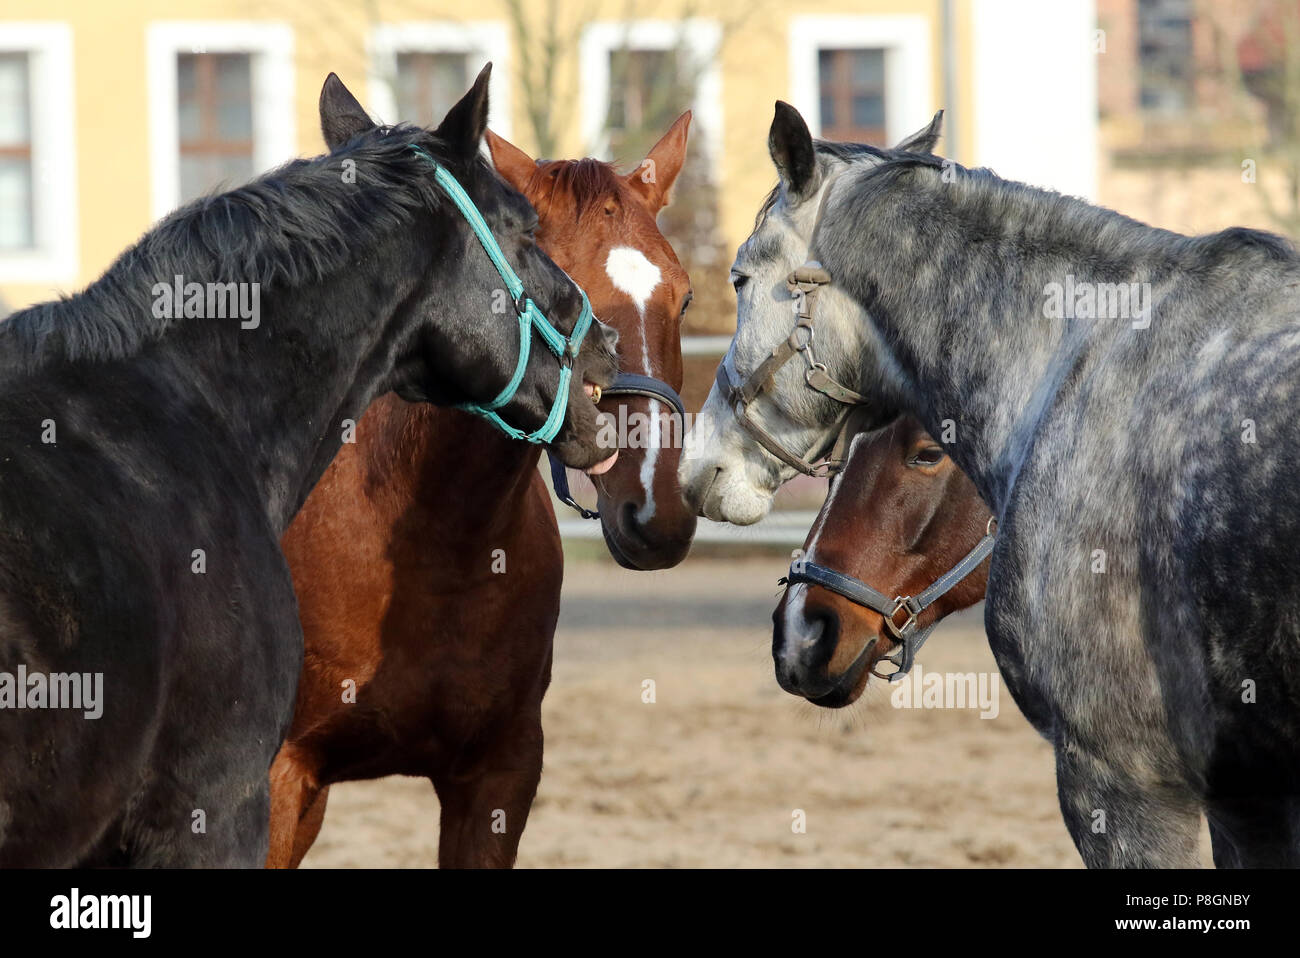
(625, 384)
(804, 283)
(905, 633)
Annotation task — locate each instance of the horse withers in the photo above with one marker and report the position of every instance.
(155, 451)
(900, 519)
(1121, 398)
(428, 562)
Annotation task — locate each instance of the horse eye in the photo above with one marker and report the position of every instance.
(686, 303)
(738, 280)
(929, 456)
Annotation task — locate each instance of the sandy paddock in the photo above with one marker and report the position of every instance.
(711, 773)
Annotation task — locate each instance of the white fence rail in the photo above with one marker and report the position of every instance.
(778, 529)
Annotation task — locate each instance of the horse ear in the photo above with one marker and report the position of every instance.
(791, 147)
(341, 116)
(466, 122)
(924, 139)
(511, 162)
(654, 178)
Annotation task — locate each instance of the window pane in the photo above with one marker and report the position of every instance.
(215, 121)
(186, 82)
(868, 71)
(429, 84)
(825, 67)
(449, 82)
(15, 204)
(187, 116)
(235, 121)
(852, 94)
(203, 173)
(15, 120)
(1164, 51)
(828, 111)
(189, 102)
(234, 76)
(649, 89)
(868, 111)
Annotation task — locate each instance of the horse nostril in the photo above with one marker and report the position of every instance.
(821, 636)
(631, 525)
(611, 337)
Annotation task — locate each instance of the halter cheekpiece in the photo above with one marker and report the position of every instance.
(804, 284)
(531, 318)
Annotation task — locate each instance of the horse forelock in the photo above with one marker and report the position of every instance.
(584, 183)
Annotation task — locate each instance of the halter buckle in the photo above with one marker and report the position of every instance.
(901, 632)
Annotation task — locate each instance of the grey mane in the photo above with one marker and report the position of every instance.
(983, 204)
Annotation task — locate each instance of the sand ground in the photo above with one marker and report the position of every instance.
(711, 773)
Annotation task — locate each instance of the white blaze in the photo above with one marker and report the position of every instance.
(633, 274)
(795, 624)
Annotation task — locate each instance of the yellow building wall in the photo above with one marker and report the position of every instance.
(112, 122)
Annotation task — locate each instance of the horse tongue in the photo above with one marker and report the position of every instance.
(605, 465)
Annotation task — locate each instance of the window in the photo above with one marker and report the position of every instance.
(38, 155)
(221, 106)
(1165, 55)
(639, 76)
(214, 119)
(429, 84)
(851, 87)
(649, 89)
(419, 70)
(861, 79)
(17, 230)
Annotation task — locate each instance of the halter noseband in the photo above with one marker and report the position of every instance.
(858, 592)
(804, 283)
(625, 384)
(530, 316)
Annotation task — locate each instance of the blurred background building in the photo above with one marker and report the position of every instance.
(1181, 113)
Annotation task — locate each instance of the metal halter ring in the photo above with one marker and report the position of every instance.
(900, 632)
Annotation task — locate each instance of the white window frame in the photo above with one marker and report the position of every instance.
(1053, 45)
(54, 256)
(909, 74)
(488, 40)
(275, 136)
(702, 39)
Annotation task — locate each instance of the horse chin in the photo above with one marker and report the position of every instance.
(631, 549)
(619, 549)
(736, 502)
(850, 685)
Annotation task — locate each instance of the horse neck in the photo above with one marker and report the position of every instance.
(322, 363)
(965, 342)
(465, 475)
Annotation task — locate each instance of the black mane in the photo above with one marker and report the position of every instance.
(289, 227)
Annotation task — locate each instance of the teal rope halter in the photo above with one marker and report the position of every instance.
(530, 318)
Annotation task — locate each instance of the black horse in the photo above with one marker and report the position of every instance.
(149, 463)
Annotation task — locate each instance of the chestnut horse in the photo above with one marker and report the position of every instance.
(898, 516)
(427, 561)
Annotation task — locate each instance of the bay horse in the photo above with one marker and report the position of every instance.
(1120, 396)
(428, 562)
(899, 521)
(154, 452)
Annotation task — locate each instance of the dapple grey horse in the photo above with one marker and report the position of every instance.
(1124, 399)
